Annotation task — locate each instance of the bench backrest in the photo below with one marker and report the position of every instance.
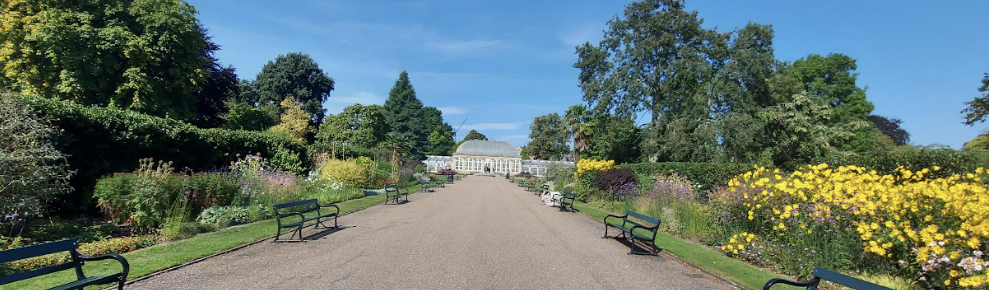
(296, 203)
(391, 188)
(645, 218)
(40, 250)
(846, 280)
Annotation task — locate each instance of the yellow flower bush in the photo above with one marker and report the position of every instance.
(593, 165)
(940, 226)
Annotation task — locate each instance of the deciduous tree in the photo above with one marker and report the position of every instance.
(294, 121)
(549, 137)
(978, 107)
(360, 127)
(143, 55)
(294, 74)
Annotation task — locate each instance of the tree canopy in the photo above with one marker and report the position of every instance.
(294, 121)
(360, 127)
(891, 128)
(978, 107)
(549, 137)
(294, 74)
(404, 115)
(440, 140)
(220, 86)
(144, 55)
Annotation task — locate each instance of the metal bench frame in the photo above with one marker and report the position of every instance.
(628, 227)
(77, 261)
(566, 200)
(310, 205)
(394, 192)
(825, 274)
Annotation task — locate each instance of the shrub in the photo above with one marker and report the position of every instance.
(932, 229)
(215, 188)
(33, 172)
(346, 171)
(560, 173)
(620, 182)
(101, 141)
(223, 216)
(705, 176)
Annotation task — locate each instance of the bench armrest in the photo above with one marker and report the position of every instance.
(812, 282)
(119, 258)
(333, 205)
(614, 216)
(652, 229)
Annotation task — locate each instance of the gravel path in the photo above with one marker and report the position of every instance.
(480, 233)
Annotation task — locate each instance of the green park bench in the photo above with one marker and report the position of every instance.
(566, 201)
(438, 182)
(633, 231)
(77, 261)
(305, 210)
(395, 192)
(825, 274)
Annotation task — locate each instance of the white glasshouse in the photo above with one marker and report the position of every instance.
(501, 157)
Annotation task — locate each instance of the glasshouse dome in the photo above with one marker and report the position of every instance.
(488, 148)
(497, 156)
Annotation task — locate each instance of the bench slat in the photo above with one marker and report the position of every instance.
(296, 203)
(846, 280)
(643, 217)
(37, 272)
(95, 280)
(37, 250)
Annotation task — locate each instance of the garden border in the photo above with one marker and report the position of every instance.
(587, 209)
(192, 262)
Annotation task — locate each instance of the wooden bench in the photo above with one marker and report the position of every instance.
(566, 201)
(305, 210)
(825, 274)
(77, 261)
(394, 192)
(632, 230)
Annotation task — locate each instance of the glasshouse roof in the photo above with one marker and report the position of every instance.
(488, 148)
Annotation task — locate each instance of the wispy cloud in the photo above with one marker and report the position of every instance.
(452, 110)
(461, 46)
(492, 126)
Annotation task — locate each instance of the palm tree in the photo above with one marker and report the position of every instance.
(575, 119)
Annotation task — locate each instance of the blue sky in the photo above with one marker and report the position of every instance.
(499, 64)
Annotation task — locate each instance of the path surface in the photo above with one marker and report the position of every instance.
(480, 233)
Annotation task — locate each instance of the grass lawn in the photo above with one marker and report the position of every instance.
(746, 275)
(148, 260)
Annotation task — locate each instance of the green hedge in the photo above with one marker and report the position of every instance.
(706, 175)
(101, 141)
(951, 161)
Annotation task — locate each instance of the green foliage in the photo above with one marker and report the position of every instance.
(223, 216)
(33, 173)
(611, 138)
(286, 161)
(404, 115)
(247, 117)
(560, 173)
(949, 160)
(804, 131)
(143, 55)
(704, 175)
(978, 107)
(294, 121)
(100, 141)
(575, 119)
(358, 128)
(348, 171)
(219, 86)
(549, 137)
(831, 80)
(891, 128)
(296, 75)
(979, 144)
(142, 198)
(440, 140)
